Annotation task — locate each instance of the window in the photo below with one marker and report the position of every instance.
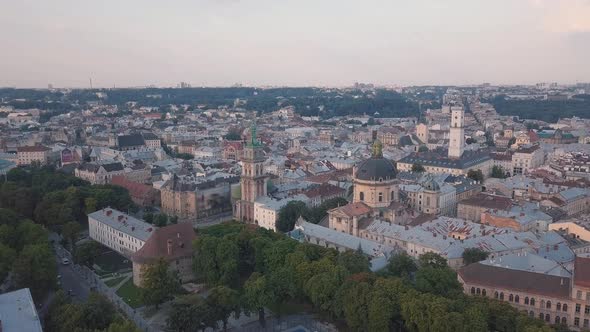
(526, 300)
(585, 322)
(392, 195)
(579, 295)
(548, 304)
(533, 301)
(502, 296)
(578, 308)
(362, 196)
(511, 298)
(563, 320)
(380, 197)
(495, 295)
(541, 316)
(483, 292)
(586, 310)
(478, 291)
(531, 313)
(557, 320)
(577, 321)
(565, 307)
(547, 318)
(558, 306)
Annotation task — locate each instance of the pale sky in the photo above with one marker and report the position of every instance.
(292, 42)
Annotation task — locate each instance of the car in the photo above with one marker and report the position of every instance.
(65, 261)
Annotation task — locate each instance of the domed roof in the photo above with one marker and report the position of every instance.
(375, 169)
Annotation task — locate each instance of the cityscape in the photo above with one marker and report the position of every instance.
(299, 192)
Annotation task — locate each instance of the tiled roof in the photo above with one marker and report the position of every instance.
(488, 201)
(354, 209)
(325, 189)
(170, 242)
(136, 189)
(35, 148)
(521, 281)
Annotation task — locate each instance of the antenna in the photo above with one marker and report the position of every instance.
(90, 82)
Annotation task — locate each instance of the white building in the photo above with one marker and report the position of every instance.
(266, 210)
(18, 312)
(457, 136)
(118, 231)
(527, 158)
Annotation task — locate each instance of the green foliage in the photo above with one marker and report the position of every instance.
(473, 255)
(418, 168)
(544, 110)
(7, 258)
(476, 175)
(257, 295)
(401, 265)
(87, 252)
(438, 281)
(70, 232)
(499, 172)
(354, 261)
(96, 314)
(158, 284)
(190, 313)
(160, 220)
(289, 214)
(36, 269)
(148, 217)
(431, 259)
(223, 302)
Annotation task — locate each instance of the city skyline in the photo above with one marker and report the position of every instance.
(294, 43)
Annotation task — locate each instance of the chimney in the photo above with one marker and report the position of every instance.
(169, 247)
(120, 218)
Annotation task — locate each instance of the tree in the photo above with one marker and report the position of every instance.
(148, 217)
(121, 325)
(70, 232)
(7, 258)
(473, 255)
(98, 312)
(161, 220)
(418, 168)
(355, 300)
(438, 281)
(174, 220)
(223, 301)
(159, 284)
(90, 204)
(476, 175)
(190, 313)
(289, 214)
(431, 259)
(402, 265)
(384, 304)
(257, 295)
(87, 252)
(499, 172)
(36, 269)
(470, 141)
(354, 261)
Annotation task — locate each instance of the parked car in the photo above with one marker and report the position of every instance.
(65, 261)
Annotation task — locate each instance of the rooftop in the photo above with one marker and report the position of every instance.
(124, 223)
(169, 242)
(18, 313)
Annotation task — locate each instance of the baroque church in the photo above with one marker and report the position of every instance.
(376, 195)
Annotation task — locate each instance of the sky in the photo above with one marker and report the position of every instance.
(292, 42)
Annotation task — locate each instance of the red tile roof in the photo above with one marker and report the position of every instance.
(170, 242)
(354, 209)
(324, 190)
(582, 271)
(136, 189)
(521, 281)
(35, 148)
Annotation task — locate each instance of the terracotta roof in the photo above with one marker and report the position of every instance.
(170, 242)
(354, 209)
(136, 189)
(325, 189)
(522, 281)
(488, 201)
(582, 271)
(35, 148)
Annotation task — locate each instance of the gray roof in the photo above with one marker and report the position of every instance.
(124, 223)
(130, 140)
(440, 159)
(529, 262)
(374, 169)
(18, 313)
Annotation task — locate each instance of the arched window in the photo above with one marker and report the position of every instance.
(531, 313)
(502, 296)
(362, 196)
(547, 318)
(526, 300)
(558, 306)
(392, 195)
(548, 304)
(542, 304)
(563, 321)
(380, 197)
(541, 316)
(495, 295)
(483, 292)
(557, 320)
(564, 308)
(516, 299)
(511, 298)
(533, 301)
(478, 291)
(472, 290)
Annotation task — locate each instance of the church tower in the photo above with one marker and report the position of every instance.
(457, 136)
(253, 180)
